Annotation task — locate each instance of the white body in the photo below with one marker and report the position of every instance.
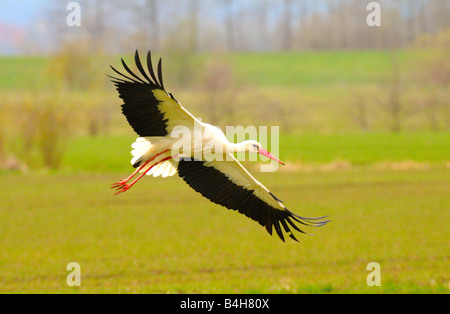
(145, 148)
(152, 111)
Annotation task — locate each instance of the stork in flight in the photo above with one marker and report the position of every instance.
(154, 114)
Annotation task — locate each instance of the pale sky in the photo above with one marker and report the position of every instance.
(21, 12)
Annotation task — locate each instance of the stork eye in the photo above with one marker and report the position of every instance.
(255, 146)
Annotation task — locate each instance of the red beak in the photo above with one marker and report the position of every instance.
(264, 152)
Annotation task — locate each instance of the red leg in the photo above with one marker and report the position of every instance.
(126, 187)
(124, 181)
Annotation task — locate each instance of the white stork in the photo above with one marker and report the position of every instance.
(153, 114)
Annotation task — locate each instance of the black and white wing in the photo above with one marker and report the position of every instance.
(229, 184)
(149, 109)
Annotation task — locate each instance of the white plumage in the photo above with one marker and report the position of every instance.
(163, 150)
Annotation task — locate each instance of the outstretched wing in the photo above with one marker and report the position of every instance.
(149, 109)
(229, 184)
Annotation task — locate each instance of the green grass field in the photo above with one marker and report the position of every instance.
(308, 92)
(386, 194)
(163, 237)
(261, 69)
(112, 153)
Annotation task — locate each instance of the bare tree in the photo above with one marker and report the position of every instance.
(229, 25)
(359, 112)
(287, 25)
(97, 28)
(392, 103)
(303, 26)
(145, 17)
(411, 28)
(194, 13)
(262, 25)
(151, 14)
(220, 91)
(333, 26)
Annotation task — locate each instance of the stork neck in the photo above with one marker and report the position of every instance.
(238, 147)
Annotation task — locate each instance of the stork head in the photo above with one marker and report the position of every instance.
(255, 147)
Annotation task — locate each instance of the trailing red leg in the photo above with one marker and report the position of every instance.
(122, 182)
(125, 187)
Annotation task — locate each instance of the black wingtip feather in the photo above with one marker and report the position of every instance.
(137, 60)
(294, 226)
(121, 74)
(269, 228)
(150, 67)
(160, 73)
(140, 106)
(276, 224)
(131, 73)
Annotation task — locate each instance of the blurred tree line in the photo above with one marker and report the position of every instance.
(251, 25)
